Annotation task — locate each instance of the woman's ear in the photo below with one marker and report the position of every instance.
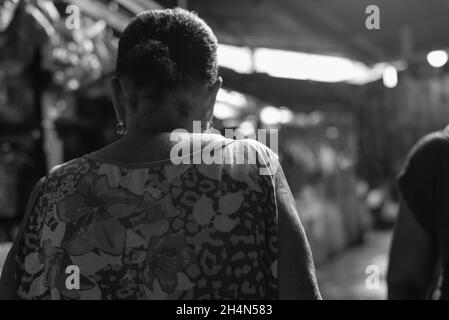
(217, 86)
(213, 95)
(117, 99)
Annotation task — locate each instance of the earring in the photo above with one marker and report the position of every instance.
(207, 126)
(120, 128)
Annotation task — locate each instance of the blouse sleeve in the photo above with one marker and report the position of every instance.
(424, 181)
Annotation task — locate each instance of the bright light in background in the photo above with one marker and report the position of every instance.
(236, 58)
(247, 128)
(270, 115)
(73, 84)
(228, 104)
(304, 66)
(224, 111)
(437, 58)
(286, 115)
(296, 65)
(232, 97)
(390, 77)
(377, 71)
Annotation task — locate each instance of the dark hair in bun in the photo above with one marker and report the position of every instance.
(161, 49)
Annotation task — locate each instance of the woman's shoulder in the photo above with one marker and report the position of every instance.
(423, 172)
(426, 162)
(72, 166)
(248, 144)
(255, 153)
(434, 139)
(434, 145)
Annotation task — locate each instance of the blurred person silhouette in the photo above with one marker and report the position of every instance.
(125, 222)
(419, 256)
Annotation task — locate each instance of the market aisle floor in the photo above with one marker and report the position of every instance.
(359, 272)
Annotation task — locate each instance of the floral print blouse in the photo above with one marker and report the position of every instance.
(153, 231)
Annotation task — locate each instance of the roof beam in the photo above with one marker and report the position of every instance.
(147, 4)
(300, 95)
(317, 17)
(132, 6)
(136, 6)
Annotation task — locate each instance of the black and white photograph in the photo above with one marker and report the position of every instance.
(224, 150)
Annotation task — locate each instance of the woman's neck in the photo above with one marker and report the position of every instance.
(139, 147)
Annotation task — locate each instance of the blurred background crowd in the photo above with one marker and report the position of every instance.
(349, 103)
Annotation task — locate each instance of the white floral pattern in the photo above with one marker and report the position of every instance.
(162, 232)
